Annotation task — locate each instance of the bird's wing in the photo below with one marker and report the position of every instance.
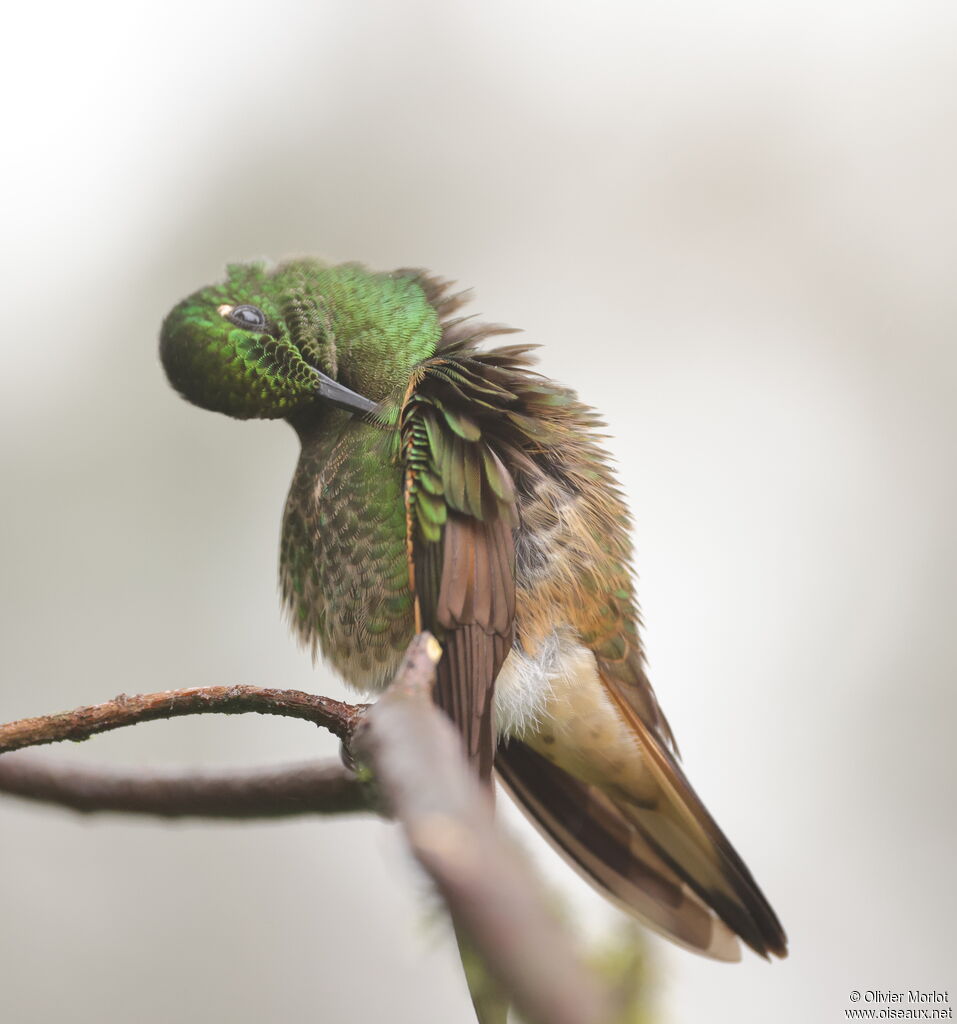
(460, 514)
(678, 826)
(675, 823)
(599, 841)
(593, 593)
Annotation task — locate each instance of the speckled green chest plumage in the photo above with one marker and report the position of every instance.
(343, 563)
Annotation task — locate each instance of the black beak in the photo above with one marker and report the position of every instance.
(340, 395)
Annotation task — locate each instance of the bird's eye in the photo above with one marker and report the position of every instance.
(250, 317)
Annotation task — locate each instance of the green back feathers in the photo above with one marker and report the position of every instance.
(376, 326)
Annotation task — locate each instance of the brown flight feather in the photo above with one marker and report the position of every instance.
(599, 842)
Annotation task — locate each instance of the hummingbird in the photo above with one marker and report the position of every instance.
(444, 484)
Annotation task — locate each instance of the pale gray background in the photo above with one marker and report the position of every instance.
(732, 227)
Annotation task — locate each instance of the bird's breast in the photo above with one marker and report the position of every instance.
(344, 566)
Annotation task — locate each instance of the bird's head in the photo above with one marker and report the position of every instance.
(275, 343)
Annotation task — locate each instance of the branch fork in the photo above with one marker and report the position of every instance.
(418, 770)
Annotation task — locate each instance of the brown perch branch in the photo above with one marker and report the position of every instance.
(312, 787)
(82, 723)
